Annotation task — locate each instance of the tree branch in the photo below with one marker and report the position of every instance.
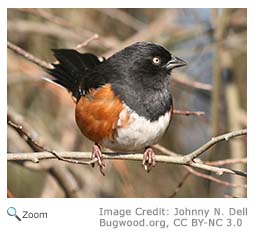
(87, 41)
(188, 113)
(214, 179)
(65, 27)
(200, 174)
(123, 17)
(74, 157)
(227, 161)
(29, 131)
(182, 79)
(38, 147)
(225, 137)
(29, 56)
(180, 185)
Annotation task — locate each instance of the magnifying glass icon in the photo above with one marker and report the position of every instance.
(11, 211)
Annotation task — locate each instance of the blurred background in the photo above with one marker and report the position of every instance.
(212, 41)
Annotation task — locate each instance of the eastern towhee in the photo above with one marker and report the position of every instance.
(122, 103)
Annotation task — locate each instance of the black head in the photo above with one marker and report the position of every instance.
(140, 77)
(148, 58)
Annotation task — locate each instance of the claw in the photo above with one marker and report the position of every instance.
(96, 153)
(149, 159)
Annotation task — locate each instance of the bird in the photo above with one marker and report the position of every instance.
(124, 102)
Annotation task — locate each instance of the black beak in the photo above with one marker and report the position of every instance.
(175, 62)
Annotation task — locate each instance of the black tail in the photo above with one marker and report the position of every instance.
(72, 68)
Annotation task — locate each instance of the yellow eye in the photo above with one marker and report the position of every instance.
(156, 60)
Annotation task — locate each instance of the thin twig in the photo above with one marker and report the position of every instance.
(66, 180)
(195, 172)
(188, 113)
(86, 42)
(9, 193)
(165, 150)
(214, 179)
(225, 137)
(179, 186)
(26, 27)
(226, 161)
(123, 17)
(31, 141)
(180, 78)
(59, 172)
(230, 196)
(69, 27)
(29, 56)
(190, 158)
(57, 20)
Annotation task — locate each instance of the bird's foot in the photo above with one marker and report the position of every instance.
(148, 159)
(96, 153)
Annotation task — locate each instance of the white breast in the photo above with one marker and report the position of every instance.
(138, 133)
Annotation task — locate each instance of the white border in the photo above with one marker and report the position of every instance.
(129, 4)
(250, 108)
(3, 104)
(72, 214)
